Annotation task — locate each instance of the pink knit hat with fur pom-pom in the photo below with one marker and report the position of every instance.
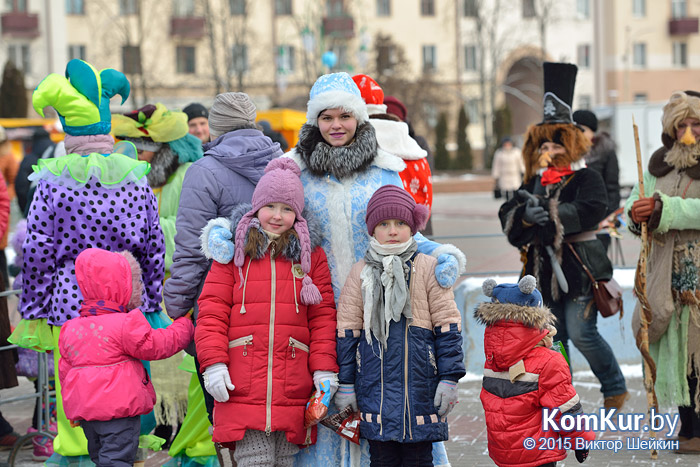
(280, 184)
(393, 202)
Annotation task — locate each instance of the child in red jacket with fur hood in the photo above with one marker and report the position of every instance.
(265, 331)
(522, 377)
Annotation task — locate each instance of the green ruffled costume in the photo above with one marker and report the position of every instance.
(192, 444)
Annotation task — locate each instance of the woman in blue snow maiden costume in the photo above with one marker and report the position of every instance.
(341, 167)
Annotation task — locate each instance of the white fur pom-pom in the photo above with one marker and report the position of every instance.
(487, 287)
(527, 284)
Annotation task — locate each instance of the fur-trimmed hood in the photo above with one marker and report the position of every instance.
(489, 313)
(164, 163)
(512, 331)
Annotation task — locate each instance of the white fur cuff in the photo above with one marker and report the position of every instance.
(336, 99)
(454, 251)
(204, 237)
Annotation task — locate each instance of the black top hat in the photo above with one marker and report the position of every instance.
(559, 81)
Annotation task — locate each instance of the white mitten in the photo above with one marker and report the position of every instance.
(346, 396)
(217, 381)
(329, 376)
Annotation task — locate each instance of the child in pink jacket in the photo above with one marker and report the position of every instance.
(105, 386)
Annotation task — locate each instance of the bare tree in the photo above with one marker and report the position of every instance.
(133, 41)
(219, 84)
(544, 12)
(230, 34)
(424, 97)
(309, 25)
(490, 43)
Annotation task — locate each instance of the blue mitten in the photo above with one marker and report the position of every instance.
(220, 244)
(447, 270)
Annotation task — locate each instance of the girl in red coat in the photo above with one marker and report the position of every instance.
(522, 377)
(265, 331)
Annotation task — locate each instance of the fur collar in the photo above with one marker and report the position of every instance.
(489, 313)
(287, 244)
(384, 160)
(164, 163)
(321, 158)
(661, 162)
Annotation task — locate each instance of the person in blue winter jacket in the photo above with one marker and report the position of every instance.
(399, 338)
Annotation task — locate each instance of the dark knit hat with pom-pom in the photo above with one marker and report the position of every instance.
(393, 202)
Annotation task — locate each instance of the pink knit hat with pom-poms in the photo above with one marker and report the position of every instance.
(393, 202)
(280, 184)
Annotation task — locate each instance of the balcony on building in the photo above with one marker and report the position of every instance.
(190, 27)
(20, 24)
(682, 26)
(341, 27)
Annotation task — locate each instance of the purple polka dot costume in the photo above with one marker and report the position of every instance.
(94, 197)
(63, 221)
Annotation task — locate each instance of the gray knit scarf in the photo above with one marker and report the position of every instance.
(385, 291)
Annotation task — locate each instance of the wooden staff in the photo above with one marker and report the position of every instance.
(640, 289)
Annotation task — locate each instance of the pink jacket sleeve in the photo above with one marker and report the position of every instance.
(4, 207)
(145, 343)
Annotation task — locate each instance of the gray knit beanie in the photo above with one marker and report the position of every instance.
(231, 111)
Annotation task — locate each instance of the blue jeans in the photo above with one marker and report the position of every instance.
(583, 332)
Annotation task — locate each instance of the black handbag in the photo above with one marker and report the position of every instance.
(607, 294)
(497, 194)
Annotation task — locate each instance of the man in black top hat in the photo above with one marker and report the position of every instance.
(558, 208)
(198, 121)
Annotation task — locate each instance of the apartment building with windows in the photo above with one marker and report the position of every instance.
(651, 49)
(482, 54)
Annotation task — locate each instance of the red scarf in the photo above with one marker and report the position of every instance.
(555, 174)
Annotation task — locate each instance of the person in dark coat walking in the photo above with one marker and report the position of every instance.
(274, 135)
(603, 159)
(42, 148)
(556, 213)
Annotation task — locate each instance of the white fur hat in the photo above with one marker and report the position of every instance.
(336, 90)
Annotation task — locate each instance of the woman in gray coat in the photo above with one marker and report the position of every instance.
(214, 185)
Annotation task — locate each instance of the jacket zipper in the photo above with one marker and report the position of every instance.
(268, 401)
(244, 341)
(381, 399)
(295, 344)
(407, 405)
